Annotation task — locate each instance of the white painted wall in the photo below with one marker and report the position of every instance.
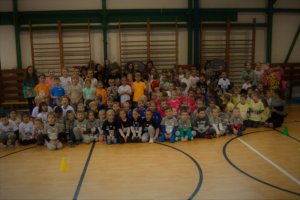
(8, 47)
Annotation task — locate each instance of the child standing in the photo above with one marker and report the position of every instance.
(57, 92)
(53, 130)
(169, 126)
(139, 88)
(184, 127)
(224, 82)
(42, 89)
(88, 91)
(174, 102)
(236, 123)
(65, 80)
(75, 92)
(112, 89)
(102, 92)
(26, 130)
(124, 91)
(8, 131)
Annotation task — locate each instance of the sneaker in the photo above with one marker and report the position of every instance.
(151, 140)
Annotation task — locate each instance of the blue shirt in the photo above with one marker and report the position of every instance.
(57, 91)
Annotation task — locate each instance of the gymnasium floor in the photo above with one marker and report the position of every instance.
(263, 164)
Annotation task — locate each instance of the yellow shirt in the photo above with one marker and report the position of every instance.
(138, 90)
(266, 114)
(243, 110)
(256, 107)
(229, 106)
(235, 99)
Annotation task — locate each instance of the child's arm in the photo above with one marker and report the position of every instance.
(121, 132)
(133, 132)
(140, 132)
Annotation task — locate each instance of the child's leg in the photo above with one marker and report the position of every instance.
(162, 138)
(216, 129)
(3, 139)
(189, 134)
(40, 139)
(145, 137)
(178, 135)
(50, 145)
(108, 140)
(96, 137)
(59, 145)
(86, 138)
(11, 138)
(72, 137)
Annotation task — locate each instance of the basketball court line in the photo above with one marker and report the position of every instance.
(270, 162)
(14, 152)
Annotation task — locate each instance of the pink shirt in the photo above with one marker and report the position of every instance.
(175, 104)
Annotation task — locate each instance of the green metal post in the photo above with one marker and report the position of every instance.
(17, 34)
(269, 30)
(292, 45)
(190, 32)
(104, 28)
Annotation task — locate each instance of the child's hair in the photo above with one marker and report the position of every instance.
(25, 114)
(227, 97)
(201, 109)
(183, 110)
(69, 112)
(38, 120)
(3, 115)
(168, 108)
(136, 110)
(42, 75)
(265, 102)
(58, 110)
(110, 111)
(51, 114)
(122, 110)
(43, 103)
(223, 107)
(91, 112)
(243, 96)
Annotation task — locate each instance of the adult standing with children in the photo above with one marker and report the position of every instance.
(29, 82)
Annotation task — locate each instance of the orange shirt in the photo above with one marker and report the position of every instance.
(138, 90)
(42, 89)
(103, 94)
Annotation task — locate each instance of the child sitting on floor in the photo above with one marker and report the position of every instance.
(26, 130)
(184, 132)
(169, 126)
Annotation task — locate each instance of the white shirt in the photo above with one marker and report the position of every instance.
(124, 97)
(65, 110)
(35, 111)
(65, 82)
(10, 127)
(26, 130)
(224, 83)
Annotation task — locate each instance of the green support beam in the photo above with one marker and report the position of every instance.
(292, 45)
(104, 29)
(190, 32)
(17, 33)
(269, 30)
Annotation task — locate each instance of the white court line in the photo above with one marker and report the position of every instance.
(271, 162)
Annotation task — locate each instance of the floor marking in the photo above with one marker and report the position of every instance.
(271, 162)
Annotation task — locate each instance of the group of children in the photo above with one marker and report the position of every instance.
(74, 110)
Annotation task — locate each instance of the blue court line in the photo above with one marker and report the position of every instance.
(17, 151)
(200, 180)
(247, 174)
(83, 172)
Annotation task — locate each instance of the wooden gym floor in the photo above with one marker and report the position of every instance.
(263, 164)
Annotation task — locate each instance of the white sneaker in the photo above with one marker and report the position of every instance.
(151, 140)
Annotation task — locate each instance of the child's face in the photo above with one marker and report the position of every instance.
(93, 106)
(57, 82)
(65, 101)
(91, 117)
(90, 74)
(4, 120)
(101, 115)
(135, 115)
(243, 100)
(110, 116)
(51, 119)
(148, 115)
(44, 108)
(129, 77)
(202, 78)
(200, 103)
(51, 73)
(111, 82)
(58, 115)
(122, 115)
(223, 75)
(80, 116)
(38, 125)
(70, 116)
(171, 87)
(138, 77)
(13, 115)
(163, 104)
(169, 113)
(88, 84)
(184, 115)
(255, 97)
(116, 106)
(153, 106)
(75, 81)
(80, 108)
(236, 112)
(212, 104)
(174, 96)
(124, 81)
(100, 85)
(42, 79)
(110, 103)
(126, 106)
(202, 114)
(26, 119)
(141, 104)
(215, 112)
(191, 93)
(64, 72)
